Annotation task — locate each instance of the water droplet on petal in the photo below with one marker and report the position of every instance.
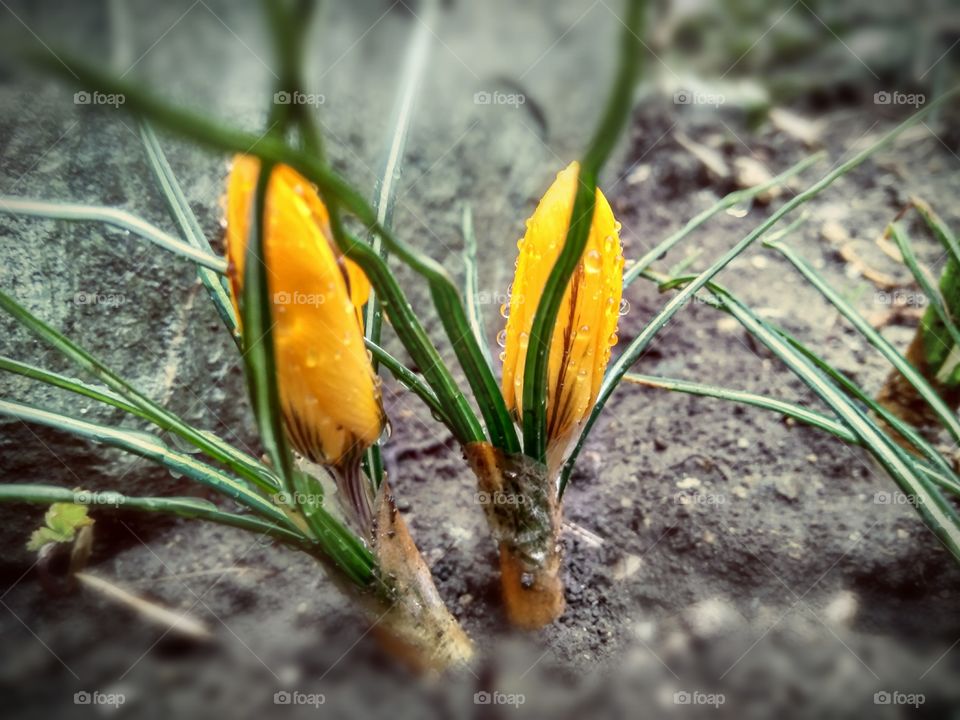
(624, 307)
(502, 338)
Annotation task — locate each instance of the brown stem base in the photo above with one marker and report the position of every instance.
(902, 399)
(411, 620)
(522, 509)
(533, 595)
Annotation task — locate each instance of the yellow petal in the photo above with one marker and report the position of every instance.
(587, 322)
(328, 391)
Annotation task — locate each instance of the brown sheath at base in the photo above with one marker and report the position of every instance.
(533, 595)
(527, 533)
(414, 623)
(902, 399)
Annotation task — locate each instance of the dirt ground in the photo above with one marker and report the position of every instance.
(710, 548)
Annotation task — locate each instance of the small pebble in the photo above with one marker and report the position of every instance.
(786, 486)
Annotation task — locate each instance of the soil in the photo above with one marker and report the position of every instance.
(711, 549)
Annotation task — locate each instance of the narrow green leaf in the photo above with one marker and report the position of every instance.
(731, 200)
(258, 352)
(385, 194)
(186, 507)
(787, 409)
(636, 348)
(150, 447)
(79, 387)
(934, 297)
(117, 218)
(189, 226)
(243, 465)
(472, 283)
(947, 476)
(923, 387)
(941, 474)
(336, 191)
(411, 381)
(940, 516)
(612, 123)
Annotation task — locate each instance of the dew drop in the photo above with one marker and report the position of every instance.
(740, 209)
(505, 310)
(502, 338)
(592, 261)
(624, 307)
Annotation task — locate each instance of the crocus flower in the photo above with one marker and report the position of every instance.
(587, 322)
(328, 391)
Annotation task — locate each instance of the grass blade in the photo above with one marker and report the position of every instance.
(934, 296)
(471, 283)
(409, 380)
(633, 351)
(187, 507)
(103, 395)
(258, 354)
(385, 194)
(933, 508)
(238, 462)
(189, 226)
(923, 387)
(336, 191)
(942, 474)
(117, 218)
(150, 447)
(614, 120)
(787, 409)
(731, 200)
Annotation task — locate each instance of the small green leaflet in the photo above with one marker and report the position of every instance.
(60, 525)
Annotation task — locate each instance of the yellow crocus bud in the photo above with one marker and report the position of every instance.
(328, 391)
(587, 322)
